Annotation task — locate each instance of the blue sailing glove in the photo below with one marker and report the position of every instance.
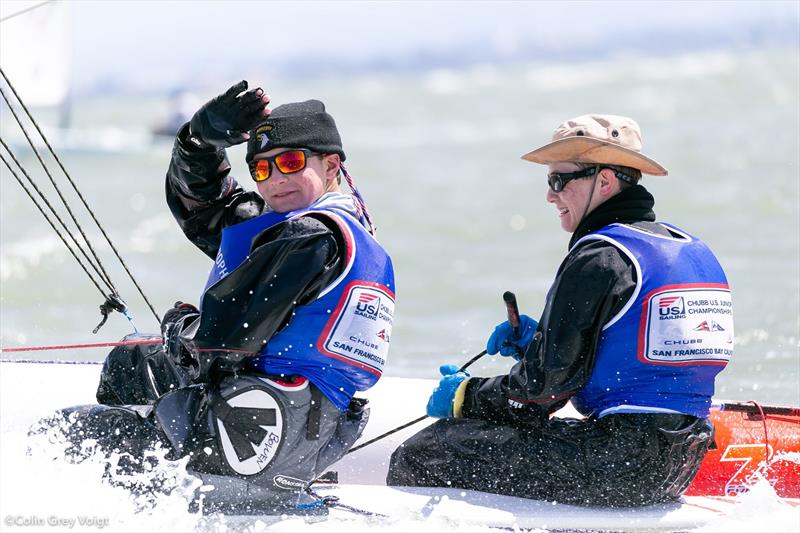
(503, 341)
(440, 404)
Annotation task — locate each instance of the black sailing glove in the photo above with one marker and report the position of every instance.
(172, 325)
(225, 120)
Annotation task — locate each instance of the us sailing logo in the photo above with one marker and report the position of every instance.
(708, 325)
(368, 305)
(671, 307)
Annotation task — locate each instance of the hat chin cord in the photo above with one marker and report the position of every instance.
(589, 202)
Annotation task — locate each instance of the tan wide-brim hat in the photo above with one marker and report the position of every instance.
(608, 139)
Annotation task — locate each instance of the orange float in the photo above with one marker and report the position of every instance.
(752, 441)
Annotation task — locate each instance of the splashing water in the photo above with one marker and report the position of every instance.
(759, 509)
(52, 484)
(49, 483)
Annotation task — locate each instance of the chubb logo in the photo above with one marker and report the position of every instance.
(382, 335)
(368, 305)
(669, 306)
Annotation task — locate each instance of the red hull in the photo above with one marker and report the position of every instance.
(752, 441)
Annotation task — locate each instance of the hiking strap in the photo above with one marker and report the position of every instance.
(314, 414)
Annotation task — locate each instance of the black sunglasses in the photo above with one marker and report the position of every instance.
(558, 180)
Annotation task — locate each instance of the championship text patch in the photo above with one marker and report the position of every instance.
(360, 330)
(687, 324)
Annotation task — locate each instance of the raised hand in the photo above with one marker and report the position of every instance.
(226, 119)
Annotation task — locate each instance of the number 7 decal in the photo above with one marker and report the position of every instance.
(754, 458)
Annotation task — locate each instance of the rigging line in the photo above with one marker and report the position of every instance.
(53, 212)
(48, 219)
(51, 362)
(85, 204)
(104, 274)
(55, 215)
(155, 340)
(40, 4)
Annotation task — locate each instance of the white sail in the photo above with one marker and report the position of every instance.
(34, 50)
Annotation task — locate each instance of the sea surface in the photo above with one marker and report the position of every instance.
(437, 157)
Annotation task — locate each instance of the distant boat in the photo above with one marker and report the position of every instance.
(182, 105)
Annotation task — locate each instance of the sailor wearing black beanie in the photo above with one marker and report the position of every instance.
(272, 331)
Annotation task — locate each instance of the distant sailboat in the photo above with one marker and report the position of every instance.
(182, 105)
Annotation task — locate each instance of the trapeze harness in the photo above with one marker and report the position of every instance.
(661, 353)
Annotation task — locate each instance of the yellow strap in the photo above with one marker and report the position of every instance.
(458, 398)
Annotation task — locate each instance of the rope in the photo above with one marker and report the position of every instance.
(51, 362)
(766, 435)
(18, 13)
(101, 272)
(390, 432)
(416, 420)
(54, 214)
(112, 302)
(69, 178)
(76, 346)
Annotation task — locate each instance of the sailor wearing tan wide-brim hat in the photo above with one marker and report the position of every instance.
(618, 336)
(608, 139)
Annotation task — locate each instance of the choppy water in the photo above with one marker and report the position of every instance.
(437, 157)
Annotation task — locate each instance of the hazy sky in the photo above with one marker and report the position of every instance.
(121, 40)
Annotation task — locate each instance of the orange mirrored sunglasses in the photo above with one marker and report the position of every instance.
(286, 162)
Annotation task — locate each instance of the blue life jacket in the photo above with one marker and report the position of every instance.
(662, 351)
(340, 341)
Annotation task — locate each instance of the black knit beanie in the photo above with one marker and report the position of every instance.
(297, 125)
